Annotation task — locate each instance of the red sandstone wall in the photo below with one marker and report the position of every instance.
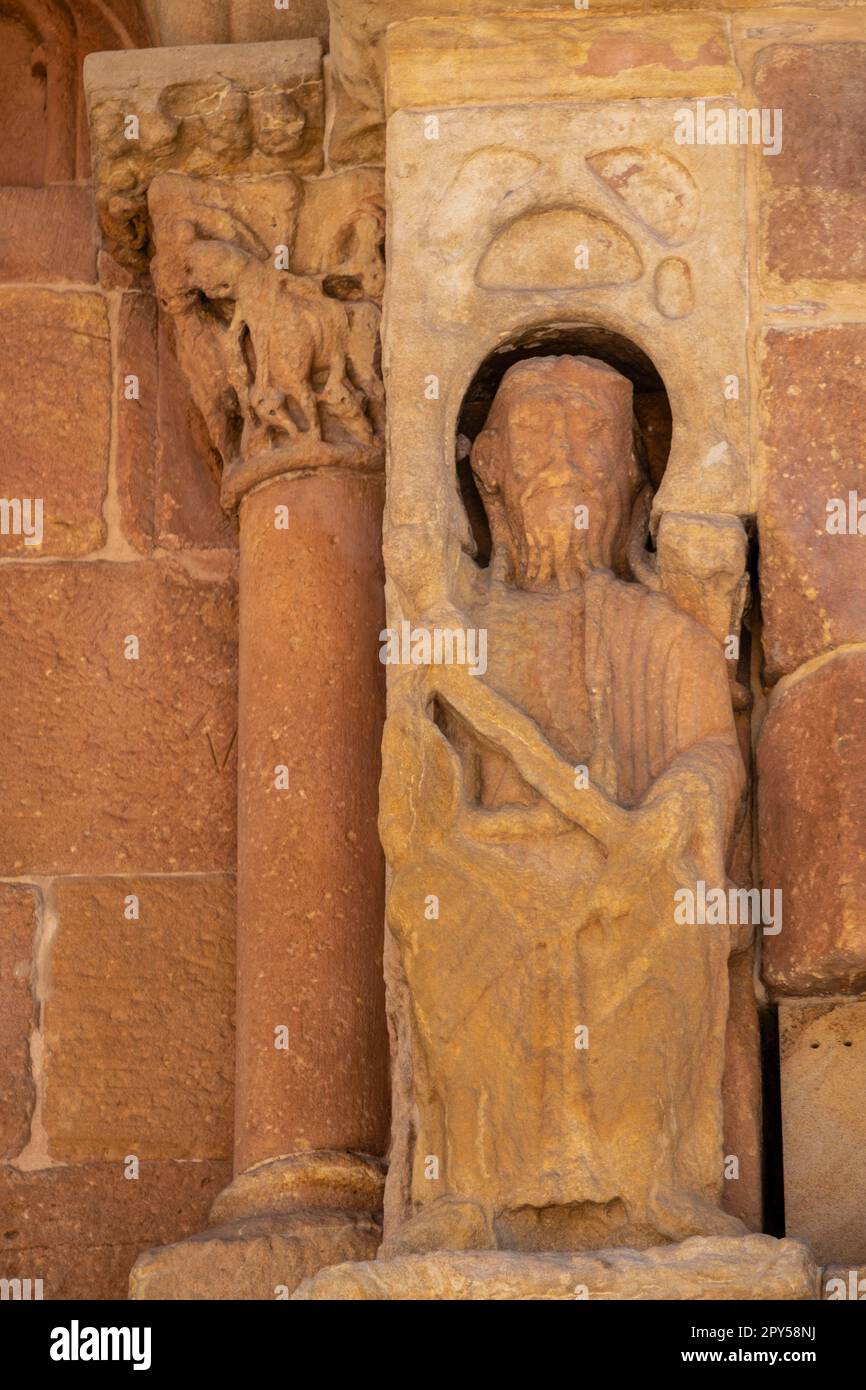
(118, 776)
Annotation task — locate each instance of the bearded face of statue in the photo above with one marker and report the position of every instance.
(556, 468)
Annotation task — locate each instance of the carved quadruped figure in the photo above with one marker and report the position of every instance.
(266, 350)
(560, 1039)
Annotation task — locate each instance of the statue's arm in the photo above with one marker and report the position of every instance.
(499, 722)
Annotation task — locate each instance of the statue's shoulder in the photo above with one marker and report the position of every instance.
(617, 601)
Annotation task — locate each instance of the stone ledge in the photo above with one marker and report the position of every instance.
(501, 59)
(748, 1267)
(262, 1257)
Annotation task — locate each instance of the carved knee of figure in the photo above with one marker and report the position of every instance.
(448, 1223)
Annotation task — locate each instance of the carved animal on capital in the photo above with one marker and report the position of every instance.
(283, 341)
(301, 338)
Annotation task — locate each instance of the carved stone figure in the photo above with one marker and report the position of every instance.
(559, 1037)
(270, 353)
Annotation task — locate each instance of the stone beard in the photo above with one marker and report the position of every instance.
(559, 1037)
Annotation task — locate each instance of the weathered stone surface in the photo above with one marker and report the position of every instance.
(823, 1058)
(80, 1229)
(40, 89)
(472, 59)
(138, 1024)
(814, 420)
(187, 509)
(136, 414)
(339, 1181)
(657, 188)
(450, 1224)
(812, 816)
(55, 396)
(18, 923)
(814, 202)
(537, 252)
(252, 22)
(748, 1267)
(167, 469)
(533, 817)
(48, 234)
(236, 21)
(297, 368)
(743, 1097)
(498, 175)
(839, 1282)
(464, 53)
(702, 567)
(113, 764)
(22, 103)
(310, 877)
(252, 109)
(262, 1257)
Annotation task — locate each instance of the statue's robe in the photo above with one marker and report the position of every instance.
(565, 1136)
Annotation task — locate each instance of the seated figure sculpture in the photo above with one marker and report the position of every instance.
(559, 1037)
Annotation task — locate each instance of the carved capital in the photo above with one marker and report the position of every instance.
(206, 110)
(272, 281)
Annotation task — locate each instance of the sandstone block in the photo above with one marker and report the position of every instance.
(814, 199)
(168, 473)
(55, 396)
(237, 21)
(80, 1229)
(495, 52)
(745, 1267)
(136, 392)
(701, 565)
(814, 421)
(138, 1025)
(112, 763)
(262, 1257)
(476, 58)
(18, 922)
(48, 233)
(187, 509)
(812, 815)
(823, 1058)
(840, 1282)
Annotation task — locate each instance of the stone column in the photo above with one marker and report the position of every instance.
(271, 279)
(310, 910)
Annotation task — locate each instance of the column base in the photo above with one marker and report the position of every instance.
(753, 1267)
(273, 1227)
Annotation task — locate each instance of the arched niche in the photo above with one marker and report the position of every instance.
(652, 409)
(43, 43)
